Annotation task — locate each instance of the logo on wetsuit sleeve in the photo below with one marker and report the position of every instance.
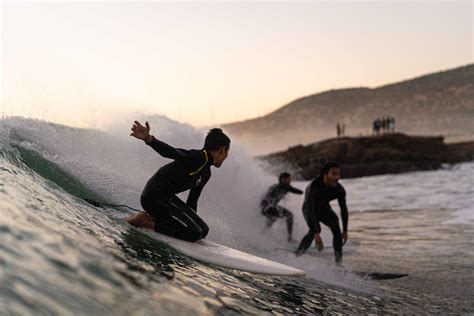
(179, 221)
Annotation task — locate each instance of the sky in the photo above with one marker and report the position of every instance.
(208, 63)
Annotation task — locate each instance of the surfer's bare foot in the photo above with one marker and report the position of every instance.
(299, 252)
(142, 220)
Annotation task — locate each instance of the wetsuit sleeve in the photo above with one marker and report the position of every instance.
(195, 192)
(294, 190)
(311, 205)
(170, 152)
(344, 212)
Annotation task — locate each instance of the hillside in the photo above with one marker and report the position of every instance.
(441, 103)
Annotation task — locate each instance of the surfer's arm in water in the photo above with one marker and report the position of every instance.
(195, 192)
(165, 150)
(344, 214)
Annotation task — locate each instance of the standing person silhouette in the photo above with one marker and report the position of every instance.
(316, 210)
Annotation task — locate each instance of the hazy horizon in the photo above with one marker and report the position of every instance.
(210, 63)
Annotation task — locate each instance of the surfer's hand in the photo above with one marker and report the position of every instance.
(140, 131)
(319, 242)
(345, 237)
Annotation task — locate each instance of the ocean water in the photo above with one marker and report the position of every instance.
(60, 255)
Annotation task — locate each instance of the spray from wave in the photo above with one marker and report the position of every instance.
(116, 166)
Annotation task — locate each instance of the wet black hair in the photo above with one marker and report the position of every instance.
(283, 175)
(328, 166)
(216, 139)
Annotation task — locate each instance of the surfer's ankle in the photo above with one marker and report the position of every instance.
(338, 258)
(299, 252)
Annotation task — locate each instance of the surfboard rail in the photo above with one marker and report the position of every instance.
(211, 252)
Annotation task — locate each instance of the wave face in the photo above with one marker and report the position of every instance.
(60, 255)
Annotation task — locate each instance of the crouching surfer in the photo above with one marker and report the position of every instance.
(190, 170)
(269, 204)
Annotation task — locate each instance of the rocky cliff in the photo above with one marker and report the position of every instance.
(365, 156)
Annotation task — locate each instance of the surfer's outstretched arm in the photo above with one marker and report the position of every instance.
(294, 190)
(143, 132)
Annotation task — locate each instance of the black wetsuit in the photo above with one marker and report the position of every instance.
(191, 169)
(272, 211)
(316, 209)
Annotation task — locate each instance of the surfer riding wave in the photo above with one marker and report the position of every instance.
(190, 170)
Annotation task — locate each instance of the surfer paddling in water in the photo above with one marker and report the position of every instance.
(191, 169)
(316, 209)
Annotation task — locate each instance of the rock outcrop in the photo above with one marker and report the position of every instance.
(366, 156)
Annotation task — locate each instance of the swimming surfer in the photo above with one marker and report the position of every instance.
(269, 205)
(190, 170)
(316, 210)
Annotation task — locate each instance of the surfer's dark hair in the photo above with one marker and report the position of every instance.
(328, 166)
(216, 139)
(283, 175)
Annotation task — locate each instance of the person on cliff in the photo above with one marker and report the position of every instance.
(316, 210)
(392, 125)
(269, 205)
(376, 127)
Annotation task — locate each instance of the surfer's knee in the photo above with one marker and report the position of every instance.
(194, 233)
(198, 232)
(205, 230)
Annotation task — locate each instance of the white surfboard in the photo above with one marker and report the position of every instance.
(210, 252)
